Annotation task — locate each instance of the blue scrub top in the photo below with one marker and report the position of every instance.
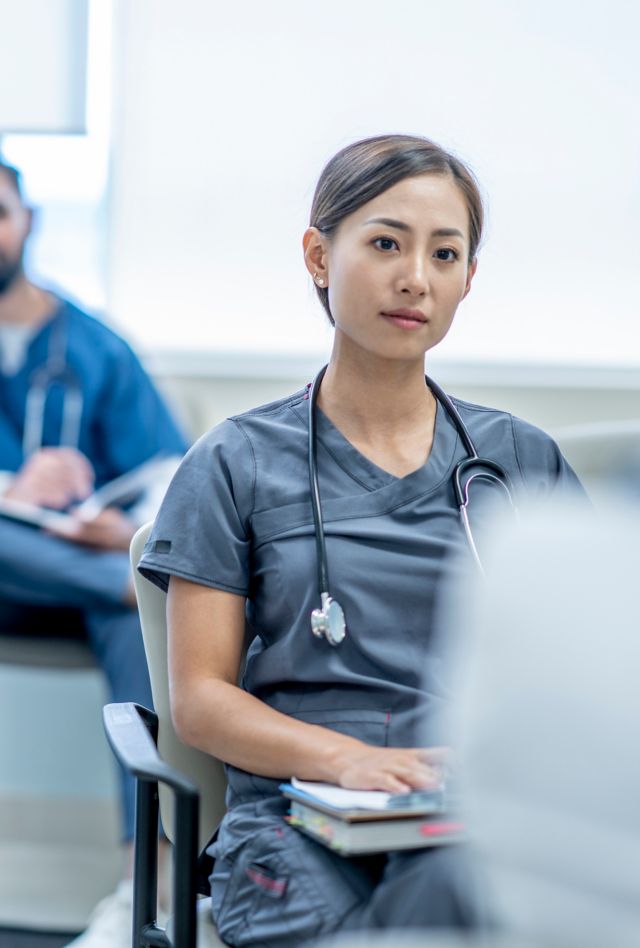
(237, 517)
(124, 420)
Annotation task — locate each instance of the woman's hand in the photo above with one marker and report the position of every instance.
(394, 769)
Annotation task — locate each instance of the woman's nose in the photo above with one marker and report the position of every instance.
(414, 280)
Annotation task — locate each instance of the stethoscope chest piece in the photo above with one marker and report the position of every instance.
(329, 622)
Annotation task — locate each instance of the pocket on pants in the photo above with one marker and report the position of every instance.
(281, 889)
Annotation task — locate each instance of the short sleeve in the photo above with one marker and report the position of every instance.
(544, 469)
(202, 531)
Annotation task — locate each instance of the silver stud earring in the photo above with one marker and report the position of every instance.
(319, 280)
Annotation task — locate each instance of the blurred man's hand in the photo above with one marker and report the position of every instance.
(110, 530)
(53, 477)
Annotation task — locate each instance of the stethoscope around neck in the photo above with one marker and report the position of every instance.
(55, 370)
(329, 620)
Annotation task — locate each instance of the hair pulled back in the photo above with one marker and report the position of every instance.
(366, 168)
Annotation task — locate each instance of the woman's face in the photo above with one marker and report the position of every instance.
(397, 268)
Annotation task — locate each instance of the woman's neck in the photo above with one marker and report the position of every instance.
(368, 397)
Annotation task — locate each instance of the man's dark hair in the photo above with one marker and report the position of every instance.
(13, 175)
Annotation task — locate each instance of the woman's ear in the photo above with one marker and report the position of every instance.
(315, 255)
(471, 272)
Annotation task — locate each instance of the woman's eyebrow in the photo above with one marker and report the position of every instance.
(400, 225)
(447, 232)
(388, 222)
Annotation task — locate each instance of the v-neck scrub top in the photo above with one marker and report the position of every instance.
(238, 517)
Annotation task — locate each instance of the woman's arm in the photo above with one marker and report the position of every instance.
(206, 635)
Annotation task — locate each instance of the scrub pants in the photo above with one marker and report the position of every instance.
(37, 569)
(273, 887)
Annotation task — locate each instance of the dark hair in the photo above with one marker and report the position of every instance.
(13, 175)
(363, 170)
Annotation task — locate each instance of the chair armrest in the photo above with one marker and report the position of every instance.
(132, 733)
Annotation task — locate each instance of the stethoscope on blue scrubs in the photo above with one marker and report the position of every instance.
(329, 621)
(55, 370)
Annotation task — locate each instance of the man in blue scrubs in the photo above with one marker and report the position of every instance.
(76, 411)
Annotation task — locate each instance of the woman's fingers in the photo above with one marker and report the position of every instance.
(422, 777)
(395, 785)
(396, 770)
(435, 755)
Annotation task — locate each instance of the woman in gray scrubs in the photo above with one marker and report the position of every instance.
(391, 248)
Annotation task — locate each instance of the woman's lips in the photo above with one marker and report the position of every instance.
(406, 318)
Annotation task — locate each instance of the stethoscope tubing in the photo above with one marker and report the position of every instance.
(55, 369)
(491, 471)
(314, 486)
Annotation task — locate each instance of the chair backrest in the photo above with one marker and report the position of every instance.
(205, 771)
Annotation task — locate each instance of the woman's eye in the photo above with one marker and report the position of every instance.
(446, 254)
(385, 243)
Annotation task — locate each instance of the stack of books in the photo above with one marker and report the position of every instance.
(356, 821)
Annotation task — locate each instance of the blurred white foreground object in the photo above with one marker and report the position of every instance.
(422, 939)
(549, 721)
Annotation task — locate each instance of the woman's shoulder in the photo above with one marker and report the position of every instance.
(272, 423)
(230, 460)
(275, 422)
(483, 419)
(275, 408)
(504, 436)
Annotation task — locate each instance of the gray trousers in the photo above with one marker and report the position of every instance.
(273, 886)
(43, 571)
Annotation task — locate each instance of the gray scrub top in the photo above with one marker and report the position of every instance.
(237, 517)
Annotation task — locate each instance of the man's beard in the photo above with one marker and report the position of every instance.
(10, 272)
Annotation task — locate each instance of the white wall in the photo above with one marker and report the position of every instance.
(65, 176)
(226, 113)
(209, 387)
(43, 62)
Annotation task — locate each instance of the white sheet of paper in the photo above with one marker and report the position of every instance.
(124, 488)
(38, 516)
(344, 799)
